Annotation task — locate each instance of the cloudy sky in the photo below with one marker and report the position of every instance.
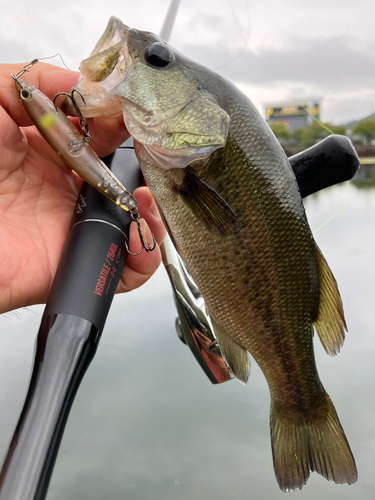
(272, 50)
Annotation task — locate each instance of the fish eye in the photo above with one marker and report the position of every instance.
(158, 55)
(25, 94)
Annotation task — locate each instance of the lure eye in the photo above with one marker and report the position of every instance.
(158, 55)
(25, 94)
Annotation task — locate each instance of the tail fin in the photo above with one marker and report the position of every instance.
(310, 443)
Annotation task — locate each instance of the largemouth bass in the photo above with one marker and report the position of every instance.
(231, 204)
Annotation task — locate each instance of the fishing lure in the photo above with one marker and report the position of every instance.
(74, 149)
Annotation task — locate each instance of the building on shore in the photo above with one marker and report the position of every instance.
(295, 113)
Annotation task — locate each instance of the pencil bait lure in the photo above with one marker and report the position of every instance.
(71, 146)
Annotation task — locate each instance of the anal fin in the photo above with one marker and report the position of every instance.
(236, 356)
(330, 322)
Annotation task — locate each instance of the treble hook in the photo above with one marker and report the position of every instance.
(147, 247)
(82, 121)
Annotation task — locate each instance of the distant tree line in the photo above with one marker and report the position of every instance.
(362, 132)
(366, 129)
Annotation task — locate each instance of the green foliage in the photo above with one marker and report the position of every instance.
(280, 130)
(311, 134)
(298, 135)
(315, 132)
(338, 129)
(366, 128)
(306, 136)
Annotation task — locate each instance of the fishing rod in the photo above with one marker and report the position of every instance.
(89, 270)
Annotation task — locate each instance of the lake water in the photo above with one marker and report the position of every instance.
(148, 425)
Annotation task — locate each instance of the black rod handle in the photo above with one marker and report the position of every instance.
(65, 346)
(330, 161)
(86, 279)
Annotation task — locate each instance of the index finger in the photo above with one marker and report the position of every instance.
(107, 134)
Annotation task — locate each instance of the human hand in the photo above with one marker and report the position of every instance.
(38, 193)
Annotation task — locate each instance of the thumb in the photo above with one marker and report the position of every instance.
(108, 133)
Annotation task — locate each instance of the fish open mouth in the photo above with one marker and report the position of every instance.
(101, 72)
(132, 72)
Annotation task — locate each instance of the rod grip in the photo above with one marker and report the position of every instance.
(331, 161)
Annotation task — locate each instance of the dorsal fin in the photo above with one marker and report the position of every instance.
(330, 322)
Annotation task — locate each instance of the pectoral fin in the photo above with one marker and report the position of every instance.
(236, 356)
(330, 322)
(207, 204)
